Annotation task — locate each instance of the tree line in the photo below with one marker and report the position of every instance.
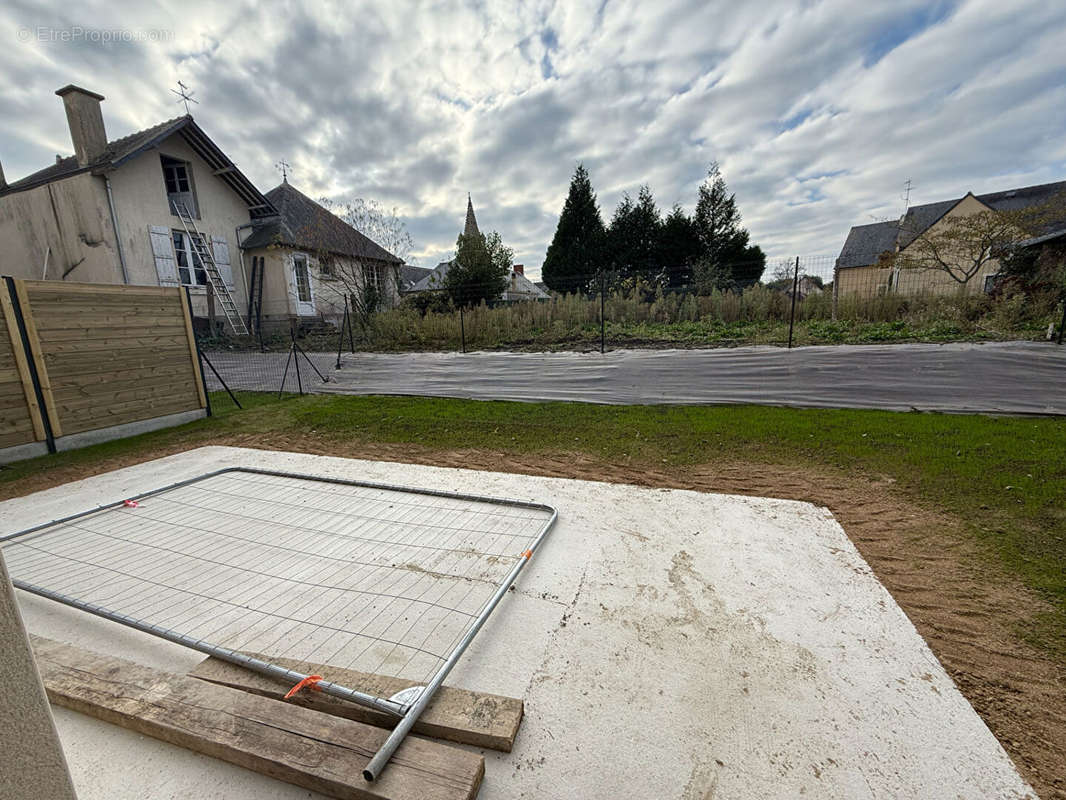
(708, 250)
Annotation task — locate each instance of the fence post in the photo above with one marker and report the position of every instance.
(1062, 325)
(340, 337)
(296, 358)
(194, 346)
(42, 387)
(795, 291)
(603, 319)
(462, 330)
(836, 289)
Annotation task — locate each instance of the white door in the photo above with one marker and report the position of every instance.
(301, 286)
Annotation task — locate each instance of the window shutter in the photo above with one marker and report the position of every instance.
(166, 266)
(220, 250)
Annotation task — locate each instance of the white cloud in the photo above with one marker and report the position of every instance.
(817, 111)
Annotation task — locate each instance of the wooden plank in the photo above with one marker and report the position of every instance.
(111, 395)
(103, 304)
(193, 353)
(81, 420)
(38, 361)
(93, 337)
(151, 387)
(150, 374)
(101, 361)
(458, 715)
(71, 287)
(146, 322)
(296, 745)
(112, 344)
(21, 364)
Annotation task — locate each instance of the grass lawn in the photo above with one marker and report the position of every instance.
(1004, 478)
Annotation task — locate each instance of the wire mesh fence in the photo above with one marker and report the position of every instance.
(387, 581)
(795, 302)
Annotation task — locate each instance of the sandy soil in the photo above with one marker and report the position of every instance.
(962, 605)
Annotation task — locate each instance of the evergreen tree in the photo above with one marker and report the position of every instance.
(618, 241)
(480, 269)
(634, 238)
(724, 243)
(574, 256)
(679, 247)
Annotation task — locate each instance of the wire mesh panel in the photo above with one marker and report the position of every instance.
(383, 580)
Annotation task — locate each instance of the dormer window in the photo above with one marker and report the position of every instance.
(177, 178)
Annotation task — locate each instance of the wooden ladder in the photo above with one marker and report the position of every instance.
(214, 277)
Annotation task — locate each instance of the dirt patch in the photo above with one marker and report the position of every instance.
(966, 609)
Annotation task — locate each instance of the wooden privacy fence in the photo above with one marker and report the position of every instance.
(84, 362)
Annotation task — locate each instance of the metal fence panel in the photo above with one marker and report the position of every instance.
(381, 579)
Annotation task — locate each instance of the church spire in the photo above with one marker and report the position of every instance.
(471, 221)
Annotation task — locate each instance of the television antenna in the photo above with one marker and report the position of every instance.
(907, 186)
(184, 95)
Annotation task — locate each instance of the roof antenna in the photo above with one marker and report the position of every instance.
(184, 96)
(283, 167)
(907, 192)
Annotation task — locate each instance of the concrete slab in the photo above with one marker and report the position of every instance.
(666, 643)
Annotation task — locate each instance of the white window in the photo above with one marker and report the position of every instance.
(303, 278)
(177, 178)
(374, 275)
(191, 270)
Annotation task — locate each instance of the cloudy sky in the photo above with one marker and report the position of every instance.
(817, 111)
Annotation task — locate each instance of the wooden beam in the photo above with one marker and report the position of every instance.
(21, 364)
(457, 715)
(292, 744)
(35, 353)
(194, 354)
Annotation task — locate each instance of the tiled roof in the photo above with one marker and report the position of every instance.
(303, 223)
(121, 150)
(434, 279)
(410, 274)
(117, 151)
(866, 242)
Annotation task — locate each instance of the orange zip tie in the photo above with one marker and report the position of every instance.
(528, 554)
(310, 680)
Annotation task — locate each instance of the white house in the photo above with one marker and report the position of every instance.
(309, 259)
(107, 214)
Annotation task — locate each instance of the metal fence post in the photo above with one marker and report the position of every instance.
(603, 318)
(340, 336)
(795, 291)
(462, 330)
(296, 358)
(351, 327)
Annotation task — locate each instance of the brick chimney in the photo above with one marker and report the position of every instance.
(86, 123)
(520, 269)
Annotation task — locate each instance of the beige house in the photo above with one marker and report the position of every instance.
(869, 263)
(305, 260)
(107, 214)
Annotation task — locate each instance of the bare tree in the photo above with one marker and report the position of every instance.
(368, 284)
(381, 225)
(960, 246)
